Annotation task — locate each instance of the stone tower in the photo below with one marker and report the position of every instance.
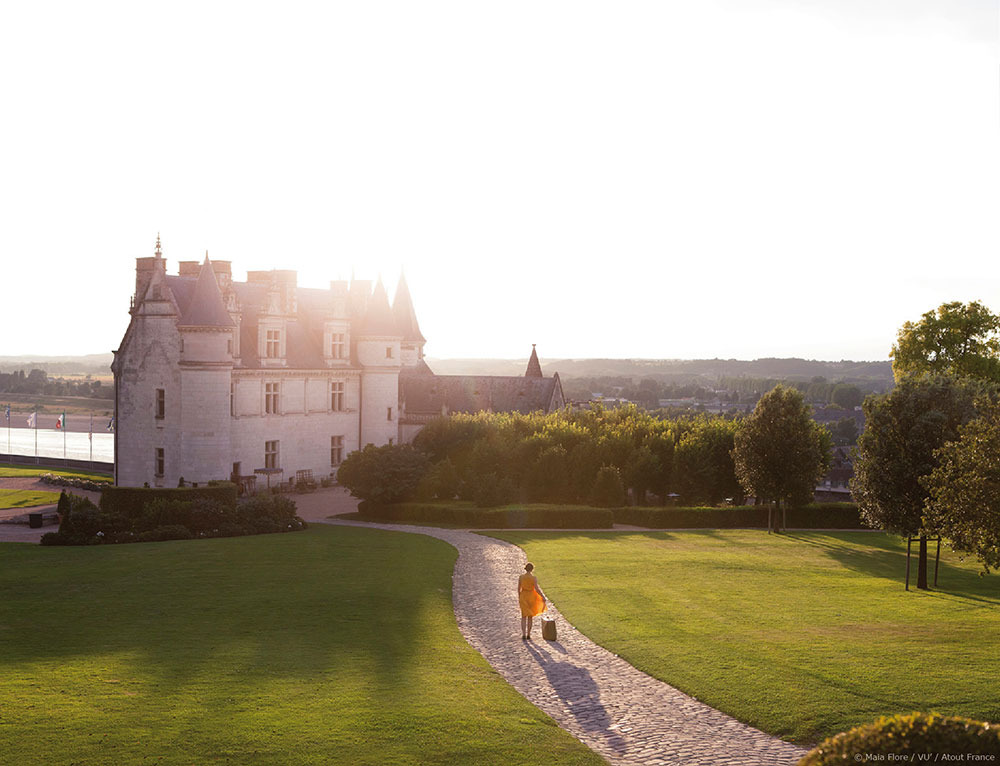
(206, 366)
(378, 350)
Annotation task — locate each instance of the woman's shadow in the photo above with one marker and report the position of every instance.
(577, 689)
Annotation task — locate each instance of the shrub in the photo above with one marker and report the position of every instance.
(383, 474)
(548, 479)
(443, 480)
(131, 501)
(492, 491)
(608, 491)
(54, 538)
(914, 734)
(460, 514)
(167, 532)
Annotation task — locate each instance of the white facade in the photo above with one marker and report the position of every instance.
(216, 379)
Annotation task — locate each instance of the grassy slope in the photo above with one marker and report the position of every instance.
(801, 635)
(8, 470)
(333, 645)
(26, 498)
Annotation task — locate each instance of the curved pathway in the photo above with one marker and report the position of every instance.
(620, 712)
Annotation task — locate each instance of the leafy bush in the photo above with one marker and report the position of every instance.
(383, 474)
(131, 501)
(466, 515)
(491, 491)
(608, 491)
(914, 734)
(175, 519)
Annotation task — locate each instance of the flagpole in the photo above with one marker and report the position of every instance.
(91, 437)
(35, 424)
(64, 437)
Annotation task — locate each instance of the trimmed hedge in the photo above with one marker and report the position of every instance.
(83, 523)
(814, 516)
(130, 501)
(909, 735)
(467, 515)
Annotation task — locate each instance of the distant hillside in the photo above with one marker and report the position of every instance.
(676, 370)
(93, 364)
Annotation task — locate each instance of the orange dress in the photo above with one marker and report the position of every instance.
(532, 604)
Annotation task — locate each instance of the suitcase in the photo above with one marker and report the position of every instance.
(548, 629)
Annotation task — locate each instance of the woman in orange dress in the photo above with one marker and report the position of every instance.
(532, 600)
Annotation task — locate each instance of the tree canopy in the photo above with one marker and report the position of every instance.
(903, 431)
(964, 490)
(960, 339)
(780, 452)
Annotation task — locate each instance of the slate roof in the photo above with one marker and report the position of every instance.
(422, 395)
(379, 320)
(406, 317)
(205, 307)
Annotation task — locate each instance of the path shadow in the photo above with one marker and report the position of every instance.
(578, 690)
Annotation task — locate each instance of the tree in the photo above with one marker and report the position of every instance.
(958, 339)
(703, 461)
(845, 432)
(847, 395)
(383, 474)
(780, 452)
(964, 490)
(903, 429)
(608, 491)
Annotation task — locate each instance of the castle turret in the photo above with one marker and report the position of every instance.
(378, 350)
(206, 365)
(412, 343)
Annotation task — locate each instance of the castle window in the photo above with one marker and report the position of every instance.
(232, 398)
(388, 413)
(161, 403)
(182, 345)
(337, 346)
(336, 450)
(272, 347)
(158, 463)
(388, 352)
(337, 396)
(271, 454)
(271, 391)
(229, 345)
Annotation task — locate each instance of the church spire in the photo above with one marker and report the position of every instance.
(158, 252)
(534, 368)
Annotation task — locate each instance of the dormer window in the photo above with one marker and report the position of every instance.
(338, 346)
(272, 344)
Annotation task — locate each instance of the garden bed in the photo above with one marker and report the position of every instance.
(467, 515)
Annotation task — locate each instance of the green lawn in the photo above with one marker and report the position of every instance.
(802, 635)
(333, 645)
(8, 470)
(24, 498)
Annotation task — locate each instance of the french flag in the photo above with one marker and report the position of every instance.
(61, 423)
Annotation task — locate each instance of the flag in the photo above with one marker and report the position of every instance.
(61, 423)
(90, 435)
(7, 414)
(111, 423)
(32, 420)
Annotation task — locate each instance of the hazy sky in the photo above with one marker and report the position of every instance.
(671, 180)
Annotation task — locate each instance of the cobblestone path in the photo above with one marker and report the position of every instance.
(623, 714)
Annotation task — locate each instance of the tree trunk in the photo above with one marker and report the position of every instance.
(922, 564)
(777, 516)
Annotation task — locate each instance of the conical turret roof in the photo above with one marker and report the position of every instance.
(406, 317)
(534, 368)
(379, 320)
(206, 307)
